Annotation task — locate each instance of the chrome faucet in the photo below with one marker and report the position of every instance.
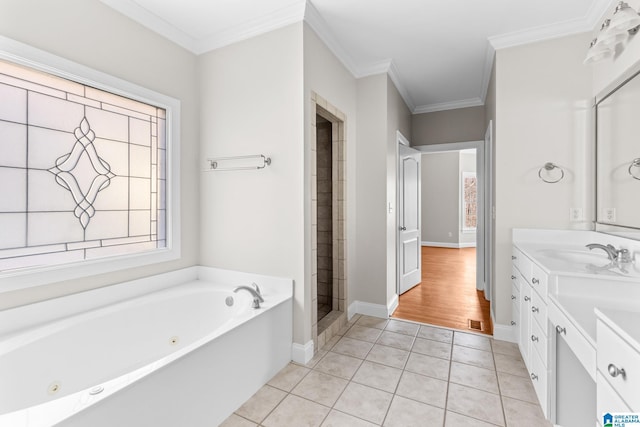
(614, 255)
(255, 292)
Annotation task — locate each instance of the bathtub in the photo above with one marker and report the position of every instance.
(172, 350)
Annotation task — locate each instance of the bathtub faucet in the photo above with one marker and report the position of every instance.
(257, 297)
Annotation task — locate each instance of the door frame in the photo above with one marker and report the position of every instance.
(485, 202)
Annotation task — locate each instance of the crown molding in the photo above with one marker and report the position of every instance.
(490, 54)
(250, 28)
(394, 75)
(253, 27)
(317, 23)
(153, 22)
(453, 105)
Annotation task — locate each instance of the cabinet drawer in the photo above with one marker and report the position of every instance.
(578, 344)
(525, 322)
(607, 398)
(539, 311)
(613, 350)
(515, 292)
(516, 256)
(514, 276)
(539, 342)
(515, 320)
(539, 379)
(539, 281)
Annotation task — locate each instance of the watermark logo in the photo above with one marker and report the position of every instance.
(621, 419)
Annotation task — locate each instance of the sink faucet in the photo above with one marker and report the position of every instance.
(614, 255)
(255, 292)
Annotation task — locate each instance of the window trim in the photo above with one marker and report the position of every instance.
(20, 53)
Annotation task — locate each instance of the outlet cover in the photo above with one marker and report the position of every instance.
(609, 214)
(575, 214)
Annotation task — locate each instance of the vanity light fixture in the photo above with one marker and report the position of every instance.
(624, 22)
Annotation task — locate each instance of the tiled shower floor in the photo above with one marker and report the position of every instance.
(378, 372)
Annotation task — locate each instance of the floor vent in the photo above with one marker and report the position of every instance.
(475, 325)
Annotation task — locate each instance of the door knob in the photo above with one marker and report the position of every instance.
(403, 228)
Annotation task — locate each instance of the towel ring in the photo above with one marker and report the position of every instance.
(634, 164)
(549, 167)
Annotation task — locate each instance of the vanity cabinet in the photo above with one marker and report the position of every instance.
(618, 363)
(533, 338)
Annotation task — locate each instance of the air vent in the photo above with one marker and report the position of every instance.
(475, 325)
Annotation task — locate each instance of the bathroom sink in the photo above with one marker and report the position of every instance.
(585, 262)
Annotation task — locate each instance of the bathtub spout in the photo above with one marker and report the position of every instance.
(257, 298)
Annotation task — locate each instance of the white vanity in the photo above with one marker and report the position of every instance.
(577, 318)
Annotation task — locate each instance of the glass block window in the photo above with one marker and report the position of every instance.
(82, 171)
(469, 201)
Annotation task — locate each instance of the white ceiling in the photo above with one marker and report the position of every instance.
(438, 52)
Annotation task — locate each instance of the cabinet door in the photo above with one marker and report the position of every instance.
(525, 322)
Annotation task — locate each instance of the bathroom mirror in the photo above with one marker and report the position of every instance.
(618, 159)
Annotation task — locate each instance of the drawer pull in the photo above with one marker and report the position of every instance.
(513, 297)
(534, 377)
(614, 371)
(513, 277)
(513, 323)
(534, 309)
(535, 281)
(514, 257)
(526, 298)
(535, 338)
(561, 330)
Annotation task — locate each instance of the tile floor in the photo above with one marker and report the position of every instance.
(379, 372)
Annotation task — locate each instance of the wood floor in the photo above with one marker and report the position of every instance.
(447, 295)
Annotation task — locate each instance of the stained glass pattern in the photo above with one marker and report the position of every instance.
(82, 171)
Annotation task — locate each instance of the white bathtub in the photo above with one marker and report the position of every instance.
(176, 356)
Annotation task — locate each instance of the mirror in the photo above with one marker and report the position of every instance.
(618, 159)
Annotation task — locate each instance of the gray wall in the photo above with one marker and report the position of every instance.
(463, 124)
(440, 197)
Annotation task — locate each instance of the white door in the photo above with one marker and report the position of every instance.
(409, 248)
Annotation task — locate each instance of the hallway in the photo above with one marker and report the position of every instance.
(447, 295)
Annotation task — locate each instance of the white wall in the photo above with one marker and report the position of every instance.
(398, 119)
(370, 283)
(325, 75)
(252, 103)
(543, 114)
(91, 34)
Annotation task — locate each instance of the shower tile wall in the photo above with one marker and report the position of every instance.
(325, 217)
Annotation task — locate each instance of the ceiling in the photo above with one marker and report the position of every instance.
(438, 52)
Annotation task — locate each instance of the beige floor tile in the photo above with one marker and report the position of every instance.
(436, 334)
(338, 365)
(363, 333)
(378, 376)
(332, 342)
(423, 389)
(401, 327)
(429, 366)
(472, 356)
(405, 412)
(456, 420)
(340, 419)
(474, 376)
(432, 348)
(261, 403)
(351, 347)
(288, 377)
(523, 414)
(364, 402)
(517, 387)
(513, 365)
(372, 322)
(505, 347)
(295, 411)
(315, 359)
(237, 421)
(472, 340)
(394, 339)
(321, 388)
(475, 403)
(389, 356)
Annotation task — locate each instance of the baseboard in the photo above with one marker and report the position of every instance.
(503, 332)
(392, 305)
(368, 309)
(449, 245)
(302, 353)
